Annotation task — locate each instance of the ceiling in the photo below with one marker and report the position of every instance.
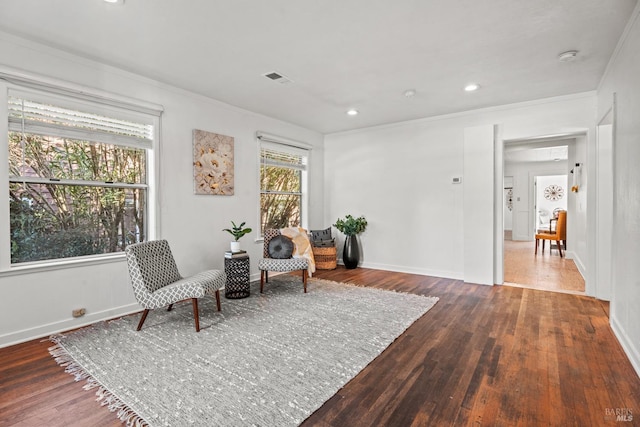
(541, 154)
(361, 54)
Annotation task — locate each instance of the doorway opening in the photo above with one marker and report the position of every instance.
(550, 198)
(537, 184)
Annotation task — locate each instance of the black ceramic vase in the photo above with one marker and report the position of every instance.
(351, 252)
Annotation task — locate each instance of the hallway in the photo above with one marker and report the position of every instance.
(544, 271)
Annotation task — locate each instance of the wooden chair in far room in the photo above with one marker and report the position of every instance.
(559, 236)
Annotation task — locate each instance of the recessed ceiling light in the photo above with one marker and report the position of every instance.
(568, 56)
(114, 1)
(352, 112)
(471, 87)
(409, 93)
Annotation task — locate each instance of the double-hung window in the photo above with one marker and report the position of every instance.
(78, 176)
(283, 182)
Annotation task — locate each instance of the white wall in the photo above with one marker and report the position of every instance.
(477, 204)
(578, 214)
(523, 203)
(604, 209)
(546, 205)
(400, 177)
(507, 213)
(38, 303)
(622, 79)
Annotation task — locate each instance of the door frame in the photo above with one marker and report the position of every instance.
(500, 143)
(605, 210)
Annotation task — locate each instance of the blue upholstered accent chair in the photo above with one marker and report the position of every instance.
(157, 282)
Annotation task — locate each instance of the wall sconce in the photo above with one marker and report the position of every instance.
(577, 173)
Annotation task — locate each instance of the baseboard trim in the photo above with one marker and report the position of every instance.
(411, 270)
(576, 259)
(43, 331)
(627, 345)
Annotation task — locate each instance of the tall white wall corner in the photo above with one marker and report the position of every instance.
(478, 204)
(498, 206)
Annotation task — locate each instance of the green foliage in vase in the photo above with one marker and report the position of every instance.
(237, 231)
(350, 225)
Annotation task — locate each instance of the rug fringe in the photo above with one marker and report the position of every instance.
(103, 395)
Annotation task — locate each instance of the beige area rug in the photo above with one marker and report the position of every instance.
(267, 360)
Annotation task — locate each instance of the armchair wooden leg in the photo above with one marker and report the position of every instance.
(142, 319)
(304, 280)
(537, 241)
(218, 299)
(544, 240)
(196, 315)
(559, 247)
(170, 307)
(261, 280)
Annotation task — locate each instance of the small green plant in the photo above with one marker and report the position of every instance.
(350, 225)
(237, 231)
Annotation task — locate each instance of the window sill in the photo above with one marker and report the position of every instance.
(62, 264)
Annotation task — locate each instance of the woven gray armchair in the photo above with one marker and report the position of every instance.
(267, 264)
(157, 282)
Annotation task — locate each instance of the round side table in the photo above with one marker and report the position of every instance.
(237, 270)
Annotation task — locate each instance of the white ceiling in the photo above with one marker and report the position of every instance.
(359, 54)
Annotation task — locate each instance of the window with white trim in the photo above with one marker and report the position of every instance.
(78, 176)
(283, 183)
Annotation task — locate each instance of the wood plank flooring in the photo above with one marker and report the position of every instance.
(481, 356)
(546, 271)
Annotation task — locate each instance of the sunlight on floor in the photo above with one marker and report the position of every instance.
(545, 271)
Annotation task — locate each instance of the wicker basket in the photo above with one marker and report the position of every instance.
(326, 258)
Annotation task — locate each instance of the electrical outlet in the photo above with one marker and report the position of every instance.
(79, 312)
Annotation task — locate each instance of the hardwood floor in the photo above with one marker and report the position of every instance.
(482, 356)
(546, 271)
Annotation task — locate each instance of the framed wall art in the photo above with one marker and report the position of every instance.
(212, 163)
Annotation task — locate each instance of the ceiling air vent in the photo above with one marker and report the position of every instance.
(277, 77)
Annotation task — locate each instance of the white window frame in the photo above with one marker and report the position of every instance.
(290, 146)
(83, 99)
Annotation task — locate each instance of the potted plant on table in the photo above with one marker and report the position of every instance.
(237, 231)
(351, 227)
